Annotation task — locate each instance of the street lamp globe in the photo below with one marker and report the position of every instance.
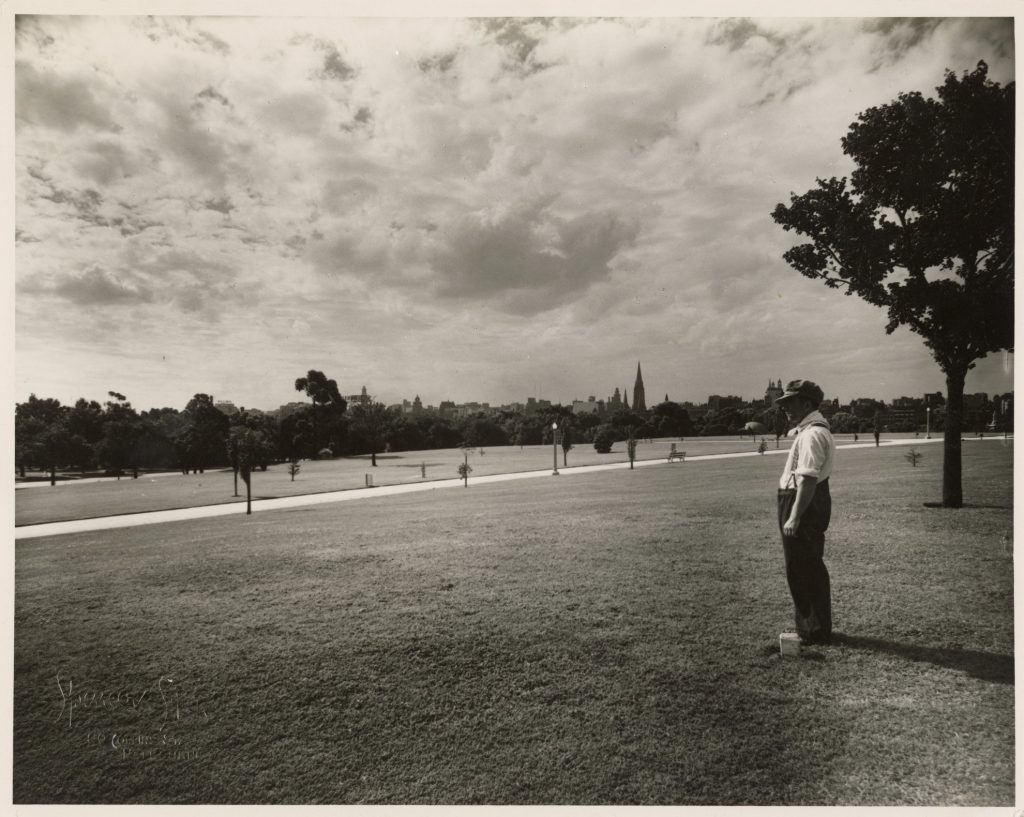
(554, 446)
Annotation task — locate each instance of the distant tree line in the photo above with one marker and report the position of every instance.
(115, 439)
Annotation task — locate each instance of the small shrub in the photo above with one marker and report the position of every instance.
(603, 442)
(325, 454)
(913, 456)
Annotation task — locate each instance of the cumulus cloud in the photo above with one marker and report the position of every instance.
(221, 205)
(209, 93)
(528, 260)
(105, 160)
(97, 287)
(62, 102)
(193, 145)
(334, 65)
(180, 260)
(516, 36)
(529, 181)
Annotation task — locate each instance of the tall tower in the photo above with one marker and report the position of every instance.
(639, 403)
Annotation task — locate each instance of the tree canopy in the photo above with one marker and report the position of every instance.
(321, 390)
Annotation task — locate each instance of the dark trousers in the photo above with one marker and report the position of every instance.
(805, 567)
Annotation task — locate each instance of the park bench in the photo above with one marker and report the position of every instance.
(676, 455)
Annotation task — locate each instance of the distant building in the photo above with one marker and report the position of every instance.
(590, 406)
(469, 409)
(906, 412)
(773, 392)
(639, 401)
(361, 399)
(226, 407)
(614, 403)
(288, 409)
(829, 407)
(866, 407)
(717, 402)
(415, 407)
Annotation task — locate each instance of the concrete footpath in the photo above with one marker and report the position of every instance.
(263, 505)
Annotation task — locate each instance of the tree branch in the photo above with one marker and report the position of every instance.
(824, 276)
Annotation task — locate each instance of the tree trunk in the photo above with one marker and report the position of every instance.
(952, 487)
(53, 475)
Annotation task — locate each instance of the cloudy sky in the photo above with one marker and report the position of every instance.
(465, 209)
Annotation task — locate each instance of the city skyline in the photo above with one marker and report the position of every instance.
(431, 403)
(465, 209)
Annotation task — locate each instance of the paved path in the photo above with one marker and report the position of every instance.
(45, 483)
(259, 505)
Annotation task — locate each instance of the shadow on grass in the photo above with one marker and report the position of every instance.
(984, 665)
(970, 506)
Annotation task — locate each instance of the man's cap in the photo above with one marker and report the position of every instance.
(802, 388)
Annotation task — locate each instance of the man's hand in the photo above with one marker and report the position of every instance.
(805, 488)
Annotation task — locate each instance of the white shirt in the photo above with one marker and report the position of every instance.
(812, 453)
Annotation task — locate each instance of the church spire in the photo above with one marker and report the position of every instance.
(639, 402)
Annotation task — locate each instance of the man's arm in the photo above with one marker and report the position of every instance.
(805, 488)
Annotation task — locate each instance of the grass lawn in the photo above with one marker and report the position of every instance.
(604, 638)
(79, 500)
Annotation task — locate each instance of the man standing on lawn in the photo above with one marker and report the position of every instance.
(805, 507)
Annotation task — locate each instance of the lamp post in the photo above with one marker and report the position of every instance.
(928, 423)
(554, 446)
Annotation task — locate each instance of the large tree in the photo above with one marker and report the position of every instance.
(86, 420)
(118, 447)
(671, 419)
(321, 390)
(261, 445)
(43, 437)
(370, 423)
(325, 416)
(31, 419)
(204, 438)
(924, 228)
